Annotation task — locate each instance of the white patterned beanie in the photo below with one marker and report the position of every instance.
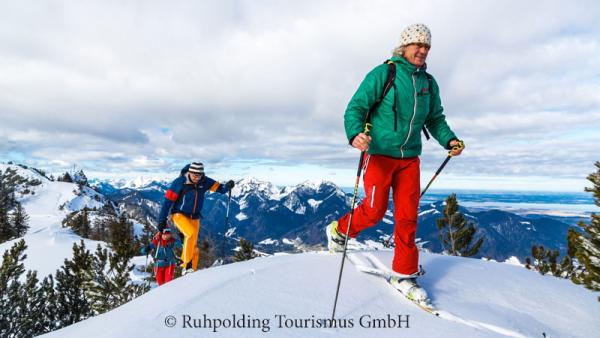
(196, 168)
(417, 33)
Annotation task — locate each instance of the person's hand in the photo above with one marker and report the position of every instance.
(230, 184)
(361, 142)
(457, 146)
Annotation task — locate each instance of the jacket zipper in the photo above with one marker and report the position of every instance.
(395, 106)
(412, 118)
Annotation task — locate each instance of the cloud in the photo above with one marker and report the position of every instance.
(145, 85)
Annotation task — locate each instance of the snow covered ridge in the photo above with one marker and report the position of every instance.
(268, 190)
(140, 182)
(47, 205)
(24, 171)
(292, 296)
(261, 210)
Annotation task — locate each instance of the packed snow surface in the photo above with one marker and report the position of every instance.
(288, 295)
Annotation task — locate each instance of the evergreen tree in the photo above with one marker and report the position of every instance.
(6, 229)
(120, 273)
(585, 246)
(30, 307)
(71, 279)
(100, 228)
(456, 235)
(566, 267)
(545, 261)
(26, 309)
(121, 236)
(80, 178)
(11, 289)
(98, 288)
(20, 220)
(7, 203)
(65, 178)
(80, 223)
(246, 251)
(147, 234)
(110, 284)
(48, 317)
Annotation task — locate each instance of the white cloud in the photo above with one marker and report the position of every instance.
(147, 85)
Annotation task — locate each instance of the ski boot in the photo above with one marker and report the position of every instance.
(409, 288)
(335, 240)
(187, 269)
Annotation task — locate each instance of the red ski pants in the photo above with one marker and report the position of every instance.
(403, 176)
(164, 274)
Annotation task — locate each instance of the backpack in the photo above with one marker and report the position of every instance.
(389, 83)
(184, 170)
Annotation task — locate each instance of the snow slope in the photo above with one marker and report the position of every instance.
(48, 243)
(481, 299)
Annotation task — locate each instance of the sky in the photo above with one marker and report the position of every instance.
(259, 88)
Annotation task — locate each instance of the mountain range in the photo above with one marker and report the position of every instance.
(293, 218)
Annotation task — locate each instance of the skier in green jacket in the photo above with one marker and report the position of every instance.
(393, 147)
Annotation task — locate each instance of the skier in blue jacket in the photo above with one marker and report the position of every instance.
(183, 201)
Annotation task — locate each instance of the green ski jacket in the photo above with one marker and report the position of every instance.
(398, 134)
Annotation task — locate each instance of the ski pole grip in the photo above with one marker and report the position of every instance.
(368, 127)
(457, 147)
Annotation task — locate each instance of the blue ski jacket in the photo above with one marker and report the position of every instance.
(164, 255)
(187, 198)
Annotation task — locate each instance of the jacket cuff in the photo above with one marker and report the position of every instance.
(352, 139)
(450, 140)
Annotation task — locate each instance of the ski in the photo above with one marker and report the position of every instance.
(368, 263)
(374, 267)
(428, 309)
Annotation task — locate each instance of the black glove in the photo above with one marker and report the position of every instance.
(230, 184)
(162, 225)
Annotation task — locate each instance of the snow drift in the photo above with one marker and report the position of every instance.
(292, 296)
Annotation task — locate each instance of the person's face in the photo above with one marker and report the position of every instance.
(195, 177)
(166, 236)
(416, 53)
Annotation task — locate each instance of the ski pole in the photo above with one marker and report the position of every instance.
(358, 174)
(146, 265)
(155, 258)
(225, 228)
(457, 147)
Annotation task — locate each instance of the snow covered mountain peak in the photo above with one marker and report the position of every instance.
(250, 185)
(139, 183)
(313, 186)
